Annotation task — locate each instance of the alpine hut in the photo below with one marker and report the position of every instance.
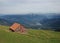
(16, 27)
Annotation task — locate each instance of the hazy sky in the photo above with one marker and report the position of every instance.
(29, 6)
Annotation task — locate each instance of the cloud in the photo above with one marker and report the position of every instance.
(29, 6)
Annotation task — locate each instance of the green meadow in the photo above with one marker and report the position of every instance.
(32, 36)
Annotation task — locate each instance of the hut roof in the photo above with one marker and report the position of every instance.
(15, 26)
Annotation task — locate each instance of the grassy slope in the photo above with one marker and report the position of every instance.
(33, 36)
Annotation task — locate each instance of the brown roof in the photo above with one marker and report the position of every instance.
(14, 26)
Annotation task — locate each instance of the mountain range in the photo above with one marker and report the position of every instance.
(36, 21)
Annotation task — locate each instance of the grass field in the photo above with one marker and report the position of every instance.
(32, 36)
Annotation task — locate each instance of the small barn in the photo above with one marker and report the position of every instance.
(16, 27)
